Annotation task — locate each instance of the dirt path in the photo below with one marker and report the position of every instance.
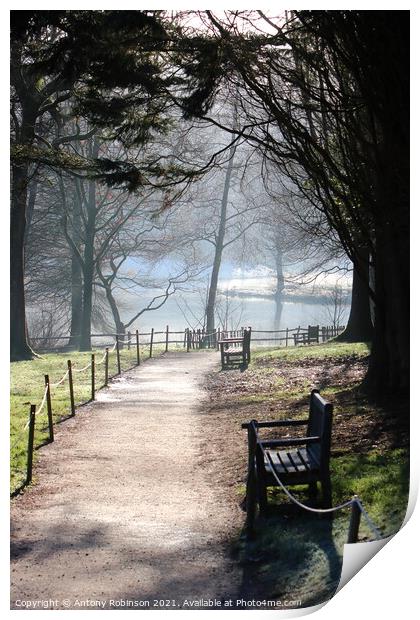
(119, 512)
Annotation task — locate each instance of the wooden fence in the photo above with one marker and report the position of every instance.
(187, 338)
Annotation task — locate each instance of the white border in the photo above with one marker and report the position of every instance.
(387, 585)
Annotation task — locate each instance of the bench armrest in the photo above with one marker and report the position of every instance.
(276, 423)
(291, 441)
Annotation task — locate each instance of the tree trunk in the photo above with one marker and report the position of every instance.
(278, 296)
(88, 275)
(76, 280)
(88, 259)
(30, 207)
(19, 347)
(390, 357)
(211, 300)
(359, 326)
(119, 325)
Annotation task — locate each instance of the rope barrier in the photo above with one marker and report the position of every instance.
(101, 361)
(369, 521)
(44, 398)
(297, 502)
(347, 504)
(53, 385)
(81, 369)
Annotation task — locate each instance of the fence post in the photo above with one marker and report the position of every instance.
(106, 365)
(72, 408)
(118, 354)
(151, 342)
(287, 336)
(128, 341)
(92, 370)
(31, 435)
(218, 338)
(188, 339)
(49, 408)
(167, 339)
(354, 524)
(138, 347)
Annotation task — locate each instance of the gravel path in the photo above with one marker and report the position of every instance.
(120, 516)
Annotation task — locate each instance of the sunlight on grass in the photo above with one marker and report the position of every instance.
(27, 385)
(321, 351)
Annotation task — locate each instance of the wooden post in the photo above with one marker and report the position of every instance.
(138, 347)
(128, 341)
(287, 336)
(106, 365)
(92, 370)
(353, 533)
(185, 337)
(251, 485)
(151, 342)
(49, 408)
(31, 436)
(188, 339)
(167, 339)
(118, 355)
(218, 338)
(72, 408)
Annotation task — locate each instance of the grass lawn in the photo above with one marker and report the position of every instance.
(27, 387)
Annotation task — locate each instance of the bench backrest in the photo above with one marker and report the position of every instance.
(247, 339)
(320, 423)
(313, 333)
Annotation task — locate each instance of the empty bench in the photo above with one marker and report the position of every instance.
(296, 460)
(309, 336)
(235, 350)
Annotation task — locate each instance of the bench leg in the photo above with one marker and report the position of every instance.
(262, 497)
(251, 504)
(261, 485)
(326, 492)
(313, 490)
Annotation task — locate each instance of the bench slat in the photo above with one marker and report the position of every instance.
(278, 465)
(293, 458)
(303, 458)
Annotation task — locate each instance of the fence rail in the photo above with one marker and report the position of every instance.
(187, 338)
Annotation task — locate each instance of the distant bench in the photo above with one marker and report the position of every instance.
(235, 349)
(308, 336)
(307, 460)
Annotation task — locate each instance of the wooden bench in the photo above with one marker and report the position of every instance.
(308, 336)
(235, 350)
(296, 460)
